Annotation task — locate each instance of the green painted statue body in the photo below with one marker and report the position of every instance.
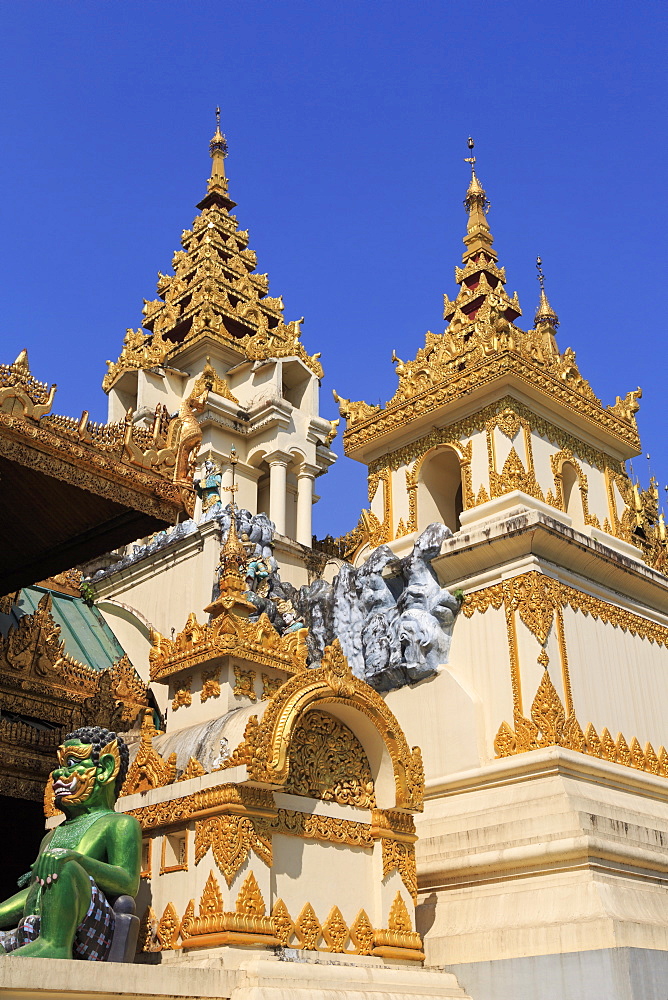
(84, 864)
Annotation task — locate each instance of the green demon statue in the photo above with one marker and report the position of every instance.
(64, 908)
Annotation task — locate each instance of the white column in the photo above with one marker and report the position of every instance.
(278, 471)
(305, 478)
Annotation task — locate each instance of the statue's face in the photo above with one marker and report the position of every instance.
(79, 780)
(74, 781)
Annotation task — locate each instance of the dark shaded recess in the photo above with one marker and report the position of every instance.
(50, 525)
(21, 830)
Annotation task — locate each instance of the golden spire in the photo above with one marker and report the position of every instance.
(545, 313)
(233, 563)
(478, 237)
(216, 189)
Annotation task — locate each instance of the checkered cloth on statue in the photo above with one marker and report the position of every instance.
(93, 937)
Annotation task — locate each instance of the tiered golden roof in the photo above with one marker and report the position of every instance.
(213, 293)
(481, 345)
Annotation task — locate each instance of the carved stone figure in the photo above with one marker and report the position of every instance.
(64, 907)
(393, 619)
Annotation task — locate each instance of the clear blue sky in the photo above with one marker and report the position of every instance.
(347, 126)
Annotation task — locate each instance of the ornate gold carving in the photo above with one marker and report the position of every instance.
(335, 930)
(168, 928)
(213, 926)
(245, 684)
(270, 686)
(328, 762)
(400, 857)
(227, 635)
(193, 769)
(628, 407)
(148, 932)
(212, 294)
(231, 839)
(351, 411)
(329, 829)
(399, 938)
(211, 381)
(362, 934)
(210, 684)
(549, 726)
(308, 928)
(283, 924)
(249, 900)
(513, 475)
(265, 748)
(148, 769)
(514, 354)
(183, 694)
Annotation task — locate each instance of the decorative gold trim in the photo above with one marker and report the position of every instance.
(168, 928)
(210, 684)
(510, 362)
(213, 926)
(193, 769)
(328, 829)
(328, 762)
(540, 600)
(181, 866)
(182, 694)
(400, 857)
(477, 422)
(148, 769)
(270, 686)
(228, 635)
(265, 748)
(231, 838)
(245, 684)
(513, 475)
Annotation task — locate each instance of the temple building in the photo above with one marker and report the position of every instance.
(423, 759)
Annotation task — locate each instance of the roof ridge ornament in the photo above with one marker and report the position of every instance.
(545, 313)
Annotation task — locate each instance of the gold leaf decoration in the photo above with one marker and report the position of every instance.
(245, 684)
(335, 930)
(148, 769)
(308, 929)
(168, 928)
(399, 856)
(283, 924)
(399, 920)
(249, 900)
(193, 769)
(328, 762)
(361, 934)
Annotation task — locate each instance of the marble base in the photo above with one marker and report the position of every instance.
(253, 979)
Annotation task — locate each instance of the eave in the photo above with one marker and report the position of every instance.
(488, 550)
(455, 398)
(63, 503)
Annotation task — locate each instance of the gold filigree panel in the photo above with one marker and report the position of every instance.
(328, 762)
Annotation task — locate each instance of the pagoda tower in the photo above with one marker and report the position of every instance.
(540, 857)
(214, 326)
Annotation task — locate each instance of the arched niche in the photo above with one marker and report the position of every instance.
(572, 495)
(571, 488)
(397, 770)
(440, 488)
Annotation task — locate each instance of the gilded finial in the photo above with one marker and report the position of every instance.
(545, 313)
(218, 143)
(478, 237)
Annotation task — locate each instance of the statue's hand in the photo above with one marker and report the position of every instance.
(49, 865)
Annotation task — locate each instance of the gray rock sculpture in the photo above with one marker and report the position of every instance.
(393, 619)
